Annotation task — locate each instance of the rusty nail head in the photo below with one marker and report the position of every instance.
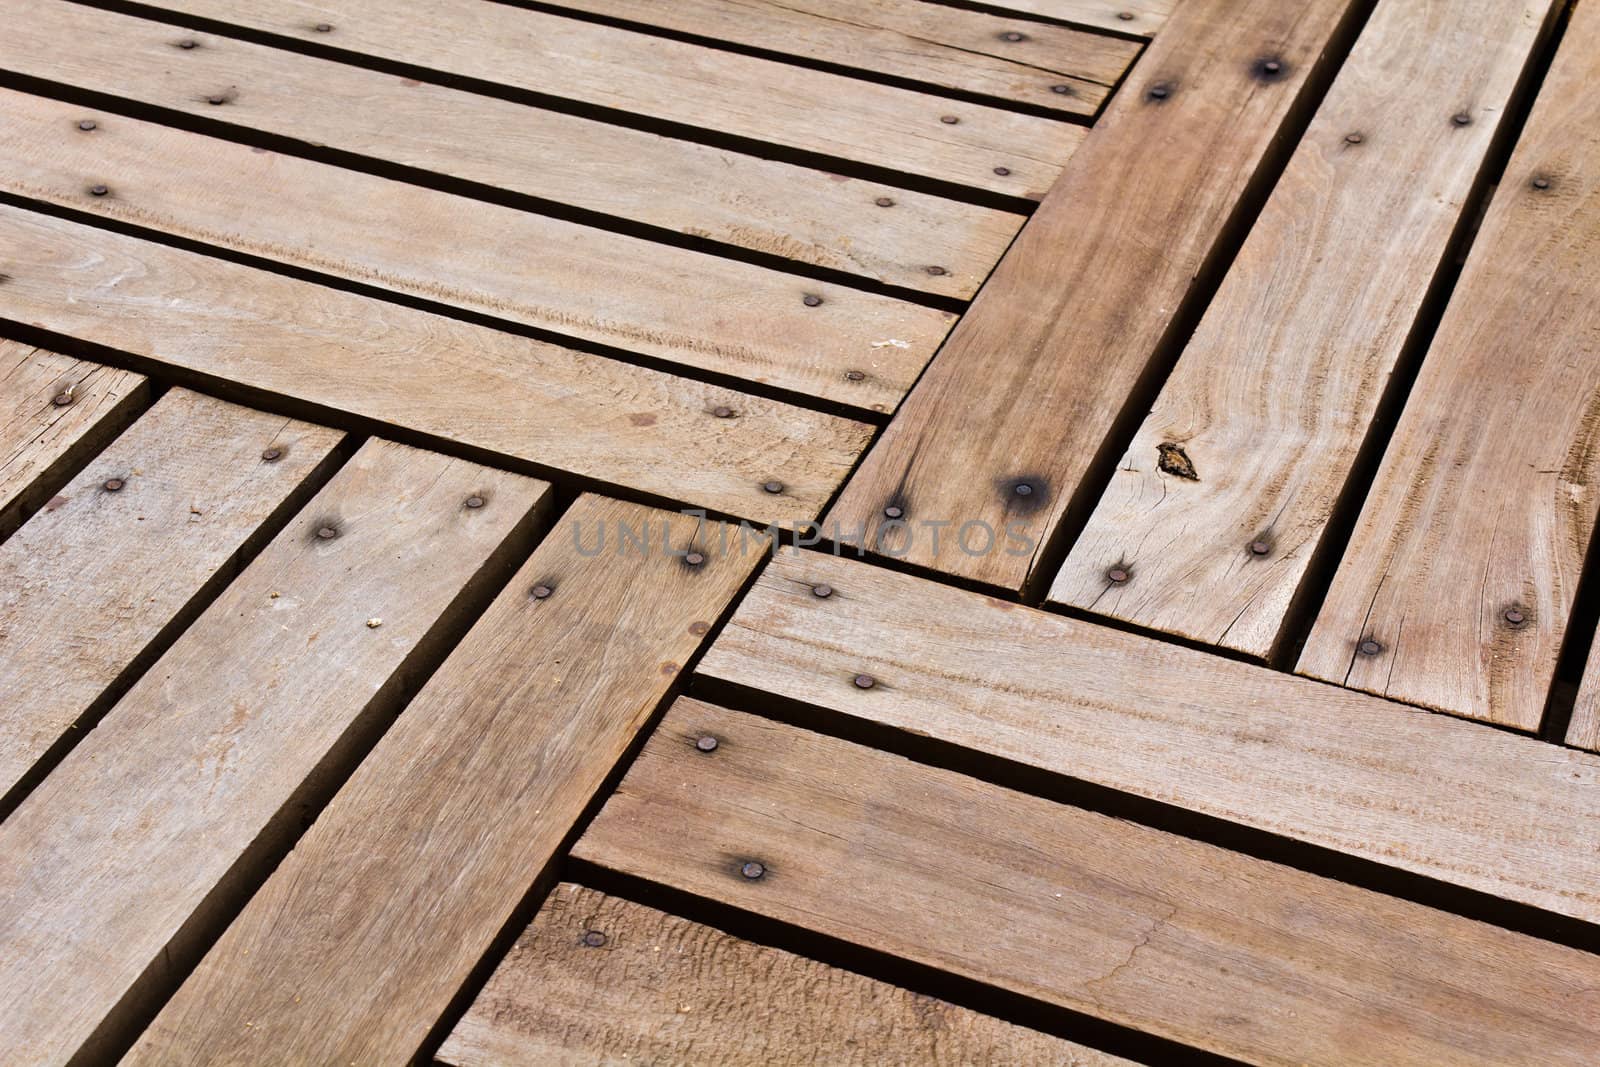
(113, 485)
(323, 27)
(594, 938)
(327, 533)
(86, 125)
(1002, 171)
(1369, 647)
(1117, 575)
(812, 300)
(1541, 183)
(694, 559)
(752, 870)
(1013, 36)
(892, 512)
(1515, 616)
(475, 501)
(1353, 138)
(773, 487)
(1061, 90)
(98, 190)
(722, 411)
(540, 592)
(706, 744)
(1260, 548)
(1461, 118)
(271, 455)
(823, 591)
(949, 120)
(865, 681)
(855, 375)
(884, 201)
(62, 400)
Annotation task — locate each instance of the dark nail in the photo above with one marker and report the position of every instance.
(1125, 16)
(773, 487)
(865, 681)
(823, 591)
(812, 300)
(884, 201)
(113, 485)
(706, 744)
(271, 455)
(1061, 90)
(1022, 489)
(1002, 171)
(186, 45)
(1159, 92)
(1515, 616)
(323, 27)
(722, 411)
(892, 512)
(1461, 118)
(217, 99)
(854, 375)
(694, 559)
(1369, 647)
(753, 870)
(86, 125)
(949, 120)
(1013, 36)
(327, 533)
(540, 592)
(1541, 183)
(1260, 548)
(98, 190)
(594, 938)
(62, 400)
(1117, 575)
(475, 501)
(1353, 138)
(936, 271)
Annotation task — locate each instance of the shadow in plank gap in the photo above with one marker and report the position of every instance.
(107, 574)
(1140, 928)
(601, 173)
(55, 412)
(124, 862)
(1139, 17)
(596, 978)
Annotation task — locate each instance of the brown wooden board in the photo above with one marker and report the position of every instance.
(833, 342)
(1011, 413)
(455, 381)
(129, 550)
(355, 947)
(600, 979)
(1224, 495)
(1424, 793)
(118, 866)
(1141, 17)
(1454, 590)
(686, 84)
(860, 227)
(1583, 730)
(55, 412)
(1018, 60)
(1180, 939)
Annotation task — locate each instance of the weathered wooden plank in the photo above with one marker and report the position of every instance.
(690, 85)
(599, 979)
(1454, 590)
(1583, 731)
(356, 945)
(1142, 928)
(1143, 17)
(1056, 67)
(1450, 800)
(1012, 411)
(55, 411)
(457, 381)
(806, 215)
(1225, 493)
(686, 307)
(128, 551)
(120, 864)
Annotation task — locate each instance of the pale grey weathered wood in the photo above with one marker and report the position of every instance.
(89, 583)
(119, 865)
(1507, 816)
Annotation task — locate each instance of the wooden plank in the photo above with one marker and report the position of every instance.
(1583, 730)
(1012, 411)
(792, 212)
(1272, 399)
(1018, 60)
(685, 84)
(1446, 799)
(660, 989)
(55, 412)
(452, 380)
(1454, 590)
(1141, 17)
(88, 586)
(119, 866)
(359, 941)
(636, 295)
(1177, 938)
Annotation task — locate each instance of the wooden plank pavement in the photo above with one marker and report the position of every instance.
(901, 531)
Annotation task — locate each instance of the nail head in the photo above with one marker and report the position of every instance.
(1125, 16)
(1002, 171)
(540, 592)
(1461, 118)
(323, 27)
(327, 533)
(823, 591)
(694, 559)
(812, 300)
(752, 870)
(773, 487)
(1117, 575)
(855, 375)
(62, 400)
(87, 125)
(1369, 647)
(1515, 616)
(1061, 90)
(1353, 138)
(1541, 183)
(865, 681)
(475, 501)
(884, 201)
(594, 938)
(1013, 36)
(706, 744)
(936, 271)
(949, 120)
(271, 455)
(98, 190)
(113, 485)
(1260, 548)
(722, 411)
(893, 512)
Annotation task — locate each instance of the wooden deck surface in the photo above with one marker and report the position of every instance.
(823, 531)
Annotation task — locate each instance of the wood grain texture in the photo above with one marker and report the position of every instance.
(41, 440)
(1141, 17)
(1425, 793)
(459, 382)
(776, 208)
(1583, 730)
(1184, 940)
(356, 945)
(1035, 63)
(1462, 567)
(89, 583)
(120, 863)
(1035, 375)
(684, 307)
(685, 84)
(665, 990)
(1276, 391)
